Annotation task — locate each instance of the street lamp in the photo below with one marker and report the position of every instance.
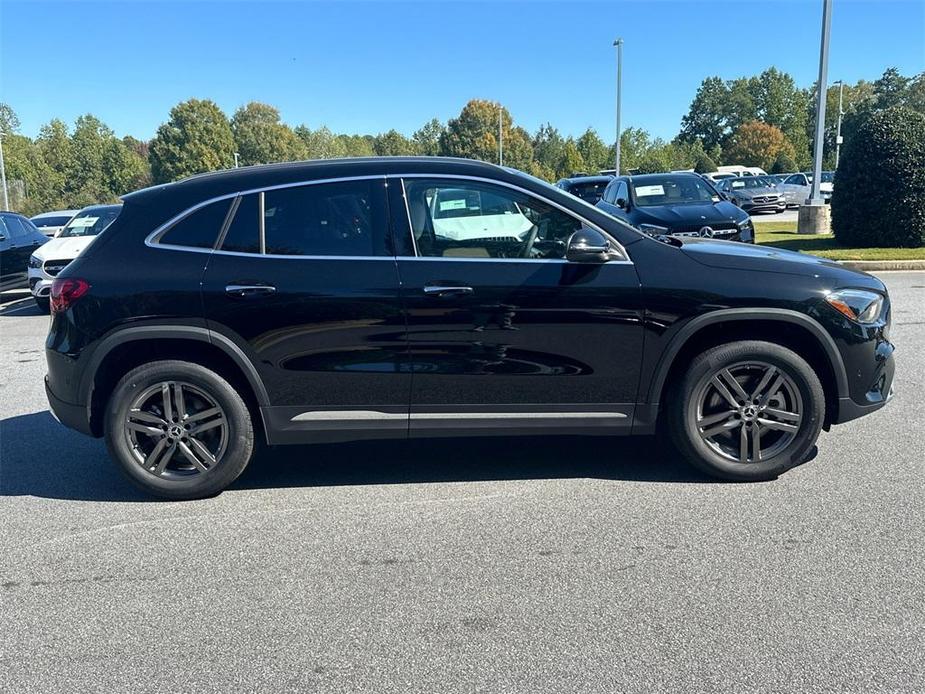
(814, 217)
(236, 155)
(619, 45)
(841, 89)
(500, 137)
(6, 198)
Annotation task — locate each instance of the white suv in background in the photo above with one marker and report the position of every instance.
(52, 257)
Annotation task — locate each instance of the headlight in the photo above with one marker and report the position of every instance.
(858, 305)
(653, 229)
(34, 262)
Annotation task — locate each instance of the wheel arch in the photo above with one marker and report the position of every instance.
(130, 347)
(788, 328)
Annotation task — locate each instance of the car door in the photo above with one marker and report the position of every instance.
(305, 282)
(503, 332)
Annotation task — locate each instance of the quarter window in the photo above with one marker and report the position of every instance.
(199, 229)
(476, 220)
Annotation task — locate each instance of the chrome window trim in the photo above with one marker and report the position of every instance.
(625, 259)
(153, 239)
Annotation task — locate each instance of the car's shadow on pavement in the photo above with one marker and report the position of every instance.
(40, 457)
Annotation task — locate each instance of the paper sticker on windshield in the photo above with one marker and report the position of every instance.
(453, 204)
(646, 191)
(82, 222)
(738, 184)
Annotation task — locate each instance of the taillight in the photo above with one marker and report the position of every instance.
(65, 291)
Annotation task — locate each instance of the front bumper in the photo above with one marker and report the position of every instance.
(878, 382)
(40, 282)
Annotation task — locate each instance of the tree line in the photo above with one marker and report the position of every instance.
(765, 120)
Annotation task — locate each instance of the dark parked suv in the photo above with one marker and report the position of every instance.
(387, 298)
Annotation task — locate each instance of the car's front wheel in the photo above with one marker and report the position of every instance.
(178, 430)
(747, 411)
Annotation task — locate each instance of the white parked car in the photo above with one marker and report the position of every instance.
(796, 188)
(52, 257)
(468, 214)
(51, 223)
(742, 170)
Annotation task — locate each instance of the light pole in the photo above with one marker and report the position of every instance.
(236, 155)
(619, 44)
(815, 199)
(6, 198)
(500, 137)
(841, 89)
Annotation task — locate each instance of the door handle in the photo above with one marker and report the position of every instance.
(442, 290)
(244, 290)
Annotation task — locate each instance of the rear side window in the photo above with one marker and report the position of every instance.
(343, 218)
(243, 235)
(326, 219)
(199, 229)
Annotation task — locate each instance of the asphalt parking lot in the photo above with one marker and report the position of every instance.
(562, 565)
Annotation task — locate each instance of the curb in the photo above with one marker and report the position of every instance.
(873, 265)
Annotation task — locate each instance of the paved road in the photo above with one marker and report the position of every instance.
(500, 566)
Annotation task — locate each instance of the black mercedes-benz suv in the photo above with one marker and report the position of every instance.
(425, 297)
(677, 204)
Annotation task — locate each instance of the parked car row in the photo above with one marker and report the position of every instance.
(33, 251)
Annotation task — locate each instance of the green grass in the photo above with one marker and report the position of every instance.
(783, 235)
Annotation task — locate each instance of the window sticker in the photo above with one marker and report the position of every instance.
(738, 184)
(646, 191)
(82, 222)
(452, 204)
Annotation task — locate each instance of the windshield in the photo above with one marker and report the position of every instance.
(454, 202)
(748, 182)
(589, 192)
(90, 222)
(45, 222)
(672, 190)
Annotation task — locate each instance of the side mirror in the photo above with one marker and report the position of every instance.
(588, 246)
(621, 203)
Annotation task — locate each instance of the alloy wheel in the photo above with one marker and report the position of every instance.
(748, 412)
(176, 430)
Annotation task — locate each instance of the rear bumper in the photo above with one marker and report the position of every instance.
(70, 415)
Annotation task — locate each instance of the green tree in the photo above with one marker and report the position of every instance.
(393, 144)
(196, 138)
(427, 138)
(783, 164)
(883, 165)
(261, 138)
(548, 149)
(571, 162)
(474, 135)
(704, 164)
(592, 149)
(9, 121)
(355, 145)
(321, 143)
(708, 118)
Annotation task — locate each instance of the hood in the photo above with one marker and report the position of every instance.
(690, 214)
(744, 256)
(752, 192)
(66, 248)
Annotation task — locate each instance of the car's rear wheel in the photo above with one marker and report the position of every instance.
(747, 411)
(178, 430)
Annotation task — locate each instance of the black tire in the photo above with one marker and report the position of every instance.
(238, 432)
(685, 401)
(43, 302)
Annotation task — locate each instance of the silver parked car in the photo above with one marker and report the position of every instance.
(753, 194)
(796, 187)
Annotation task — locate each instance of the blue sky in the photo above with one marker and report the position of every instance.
(366, 67)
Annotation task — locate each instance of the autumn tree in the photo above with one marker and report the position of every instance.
(474, 135)
(757, 144)
(196, 138)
